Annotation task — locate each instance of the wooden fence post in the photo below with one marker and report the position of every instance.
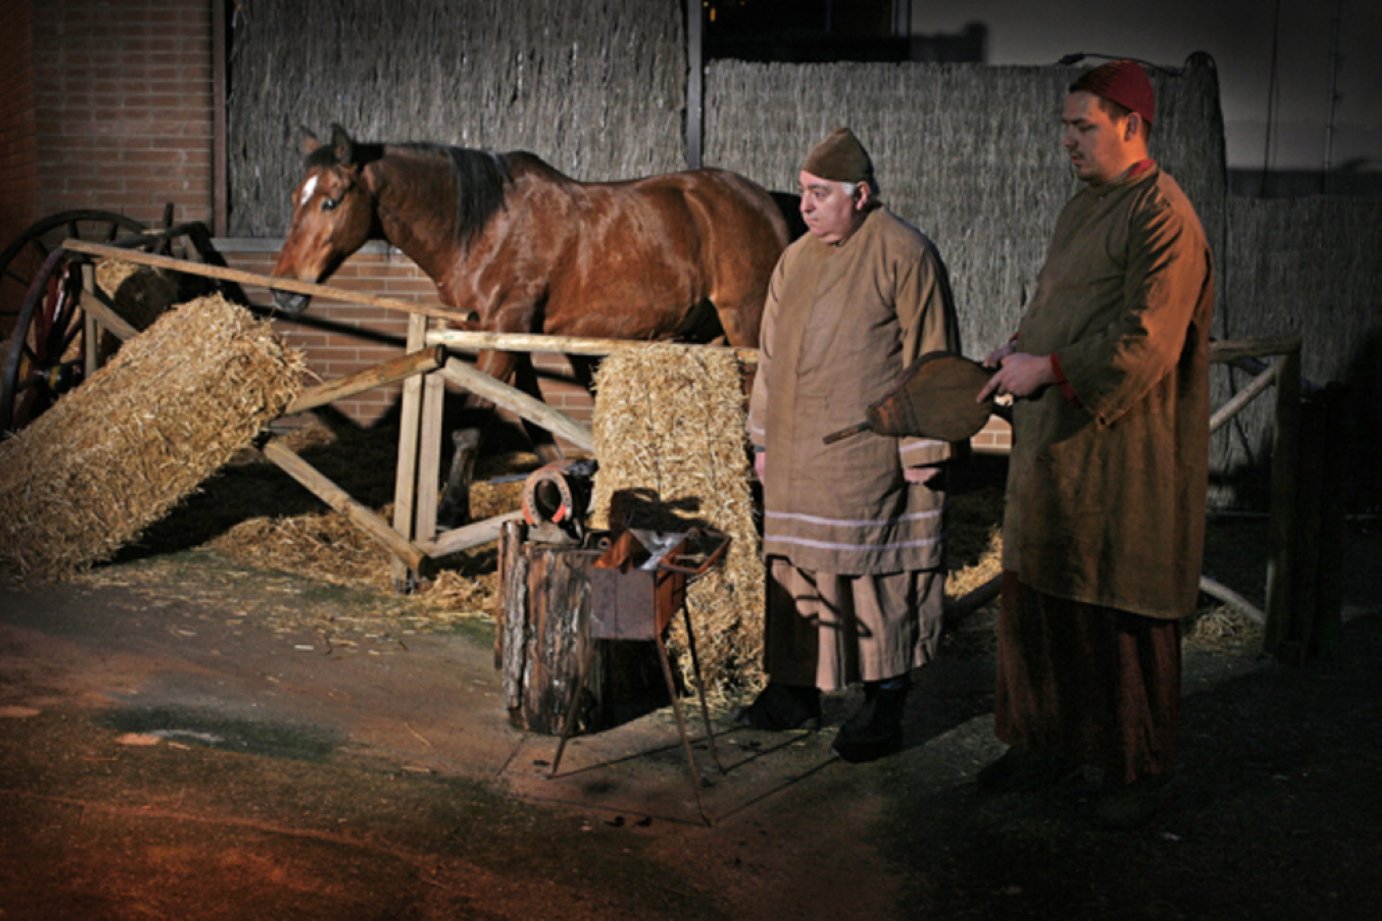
(405, 477)
(1279, 635)
(429, 452)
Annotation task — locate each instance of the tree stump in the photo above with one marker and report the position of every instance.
(541, 640)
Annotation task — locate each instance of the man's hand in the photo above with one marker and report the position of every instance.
(995, 358)
(760, 460)
(1020, 374)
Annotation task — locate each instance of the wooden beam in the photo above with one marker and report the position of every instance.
(973, 599)
(1232, 350)
(290, 463)
(468, 536)
(1240, 399)
(516, 401)
(390, 372)
(224, 273)
(1227, 595)
(463, 340)
(98, 307)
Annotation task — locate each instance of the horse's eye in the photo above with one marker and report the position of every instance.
(329, 204)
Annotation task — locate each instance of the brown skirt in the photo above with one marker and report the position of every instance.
(1096, 685)
(830, 630)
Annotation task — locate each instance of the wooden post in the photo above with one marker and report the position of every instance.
(695, 83)
(405, 476)
(429, 452)
(1284, 542)
(1317, 595)
(91, 330)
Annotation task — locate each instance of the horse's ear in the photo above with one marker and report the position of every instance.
(307, 141)
(342, 146)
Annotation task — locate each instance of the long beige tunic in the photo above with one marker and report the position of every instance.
(1106, 495)
(840, 324)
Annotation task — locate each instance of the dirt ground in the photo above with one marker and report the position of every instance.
(184, 734)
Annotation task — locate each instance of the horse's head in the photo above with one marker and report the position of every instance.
(333, 215)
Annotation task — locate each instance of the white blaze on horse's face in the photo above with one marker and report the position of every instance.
(308, 188)
(331, 219)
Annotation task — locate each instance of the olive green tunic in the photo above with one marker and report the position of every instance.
(840, 324)
(1106, 493)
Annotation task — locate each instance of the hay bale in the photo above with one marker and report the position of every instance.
(670, 436)
(114, 455)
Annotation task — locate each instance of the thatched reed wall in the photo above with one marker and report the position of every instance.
(970, 154)
(595, 88)
(1308, 267)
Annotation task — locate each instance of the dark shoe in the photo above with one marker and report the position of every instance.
(1024, 769)
(780, 707)
(1127, 806)
(875, 729)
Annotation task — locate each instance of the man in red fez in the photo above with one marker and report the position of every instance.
(1103, 530)
(852, 530)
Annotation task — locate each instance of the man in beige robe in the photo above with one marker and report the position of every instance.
(1104, 524)
(852, 530)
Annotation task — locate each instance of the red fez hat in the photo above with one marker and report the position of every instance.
(1123, 82)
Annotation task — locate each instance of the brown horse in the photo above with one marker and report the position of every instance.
(515, 246)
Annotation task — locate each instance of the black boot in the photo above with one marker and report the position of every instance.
(780, 707)
(875, 729)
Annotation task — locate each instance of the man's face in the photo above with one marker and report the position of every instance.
(830, 214)
(1097, 142)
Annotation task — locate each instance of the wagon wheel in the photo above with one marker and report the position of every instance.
(40, 292)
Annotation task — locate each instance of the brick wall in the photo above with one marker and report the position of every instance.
(18, 140)
(123, 107)
(994, 438)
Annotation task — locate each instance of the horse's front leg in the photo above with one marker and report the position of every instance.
(453, 510)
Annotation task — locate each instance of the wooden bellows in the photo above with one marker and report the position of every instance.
(935, 398)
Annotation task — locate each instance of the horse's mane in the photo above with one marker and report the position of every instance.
(480, 177)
